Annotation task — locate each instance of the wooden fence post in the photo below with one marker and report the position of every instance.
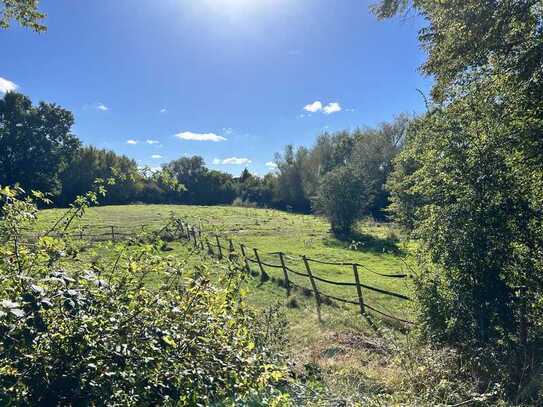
(230, 249)
(315, 288)
(263, 275)
(219, 246)
(194, 237)
(113, 233)
(285, 273)
(247, 265)
(359, 290)
(209, 250)
(81, 234)
(182, 227)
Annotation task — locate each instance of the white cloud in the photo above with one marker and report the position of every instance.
(317, 106)
(156, 156)
(131, 141)
(271, 164)
(163, 110)
(313, 107)
(189, 135)
(102, 107)
(7, 85)
(152, 141)
(232, 161)
(331, 108)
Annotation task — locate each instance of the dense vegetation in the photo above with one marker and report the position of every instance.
(42, 154)
(469, 182)
(464, 180)
(74, 332)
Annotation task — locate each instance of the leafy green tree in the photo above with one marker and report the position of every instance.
(203, 186)
(469, 182)
(289, 190)
(341, 198)
(254, 190)
(89, 163)
(468, 40)
(35, 143)
(371, 158)
(25, 12)
(462, 197)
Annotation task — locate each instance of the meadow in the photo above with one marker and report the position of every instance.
(375, 246)
(334, 353)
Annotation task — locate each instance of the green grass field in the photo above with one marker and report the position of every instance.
(341, 344)
(377, 246)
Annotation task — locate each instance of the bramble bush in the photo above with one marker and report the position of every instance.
(71, 334)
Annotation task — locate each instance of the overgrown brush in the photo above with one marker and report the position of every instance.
(101, 335)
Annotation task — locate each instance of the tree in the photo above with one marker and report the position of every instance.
(35, 143)
(203, 186)
(371, 158)
(251, 189)
(290, 187)
(25, 12)
(90, 163)
(341, 198)
(469, 40)
(469, 183)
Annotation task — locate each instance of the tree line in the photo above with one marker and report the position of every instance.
(342, 176)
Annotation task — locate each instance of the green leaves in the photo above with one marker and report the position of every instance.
(25, 13)
(132, 331)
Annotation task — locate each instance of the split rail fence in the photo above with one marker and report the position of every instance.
(225, 248)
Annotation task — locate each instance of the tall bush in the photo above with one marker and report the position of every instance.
(135, 329)
(341, 198)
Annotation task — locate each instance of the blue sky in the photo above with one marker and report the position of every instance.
(230, 80)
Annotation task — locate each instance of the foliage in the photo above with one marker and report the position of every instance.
(103, 335)
(289, 189)
(35, 141)
(90, 163)
(203, 186)
(369, 153)
(25, 12)
(341, 199)
(468, 184)
(132, 185)
(469, 40)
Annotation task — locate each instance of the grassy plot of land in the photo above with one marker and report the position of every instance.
(375, 246)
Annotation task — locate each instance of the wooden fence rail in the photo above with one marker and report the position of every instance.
(217, 250)
(212, 245)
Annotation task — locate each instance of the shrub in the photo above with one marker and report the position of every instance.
(341, 198)
(105, 335)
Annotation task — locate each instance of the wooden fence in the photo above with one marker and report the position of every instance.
(224, 248)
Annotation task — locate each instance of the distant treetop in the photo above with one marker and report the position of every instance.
(25, 12)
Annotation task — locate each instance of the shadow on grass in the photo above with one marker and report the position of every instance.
(365, 243)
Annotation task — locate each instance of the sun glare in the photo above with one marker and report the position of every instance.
(235, 6)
